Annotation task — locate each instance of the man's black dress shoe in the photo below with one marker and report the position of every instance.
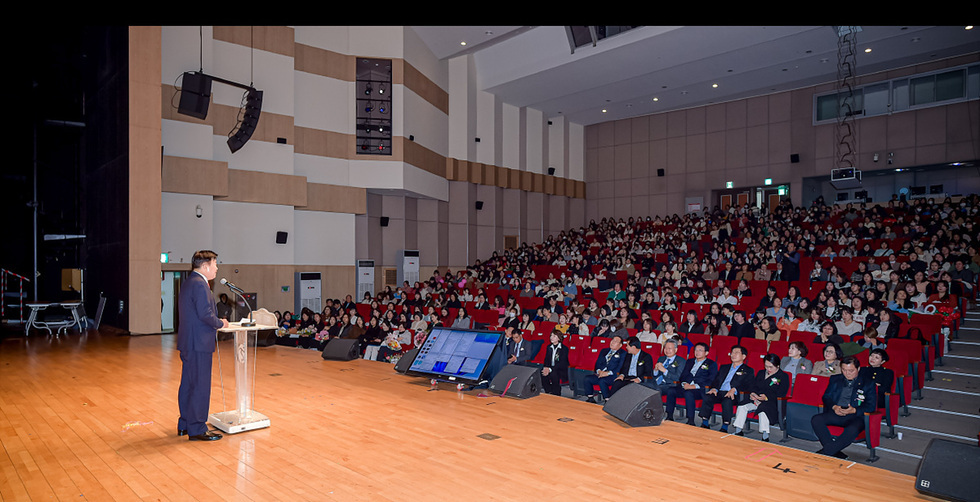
(207, 436)
(841, 455)
(181, 432)
(591, 399)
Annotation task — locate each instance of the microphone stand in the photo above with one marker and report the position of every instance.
(251, 321)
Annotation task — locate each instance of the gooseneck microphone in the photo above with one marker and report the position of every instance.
(230, 285)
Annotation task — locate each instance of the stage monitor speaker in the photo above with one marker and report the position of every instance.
(342, 349)
(263, 338)
(281, 237)
(948, 470)
(384, 221)
(517, 381)
(195, 95)
(406, 360)
(637, 405)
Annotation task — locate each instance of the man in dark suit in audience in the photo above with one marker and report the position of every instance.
(698, 373)
(848, 397)
(637, 366)
(555, 364)
(668, 368)
(518, 349)
(731, 379)
(607, 366)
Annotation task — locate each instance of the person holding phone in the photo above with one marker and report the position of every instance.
(848, 397)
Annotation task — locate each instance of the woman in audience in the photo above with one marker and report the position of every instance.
(715, 326)
(792, 297)
(859, 312)
(882, 377)
(776, 311)
(833, 311)
(770, 384)
(847, 326)
(605, 329)
(767, 330)
(462, 319)
(828, 334)
(830, 365)
(795, 362)
(790, 322)
(871, 339)
(726, 297)
(647, 334)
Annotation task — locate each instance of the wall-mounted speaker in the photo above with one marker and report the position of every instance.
(661, 173)
(195, 95)
(281, 237)
(384, 221)
(551, 171)
(794, 158)
(250, 119)
(479, 205)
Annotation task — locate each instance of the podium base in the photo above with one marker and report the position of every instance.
(229, 422)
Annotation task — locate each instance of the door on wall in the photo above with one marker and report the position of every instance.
(169, 289)
(726, 202)
(742, 198)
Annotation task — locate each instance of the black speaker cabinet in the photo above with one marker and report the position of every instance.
(661, 173)
(948, 470)
(406, 360)
(384, 221)
(637, 405)
(794, 158)
(263, 338)
(281, 237)
(518, 381)
(342, 349)
(195, 95)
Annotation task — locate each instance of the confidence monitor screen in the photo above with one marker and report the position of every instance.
(456, 355)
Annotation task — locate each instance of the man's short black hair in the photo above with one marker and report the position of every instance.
(201, 257)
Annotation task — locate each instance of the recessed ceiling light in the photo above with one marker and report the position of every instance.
(462, 43)
(714, 86)
(656, 99)
(868, 49)
(969, 27)
(603, 110)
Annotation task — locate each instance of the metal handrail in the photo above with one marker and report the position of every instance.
(3, 292)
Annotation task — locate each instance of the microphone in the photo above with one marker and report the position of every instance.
(232, 286)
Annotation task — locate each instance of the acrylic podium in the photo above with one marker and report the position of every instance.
(243, 417)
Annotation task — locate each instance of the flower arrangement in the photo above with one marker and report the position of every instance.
(774, 381)
(950, 315)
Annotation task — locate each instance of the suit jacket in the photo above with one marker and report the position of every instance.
(864, 398)
(644, 367)
(615, 362)
(742, 330)
(805, 366)
(704, 375)
(561, 364)
(741, 380)
(523, 353)
(883, 379)
(773, 387)
(198, 320)
(673, 371)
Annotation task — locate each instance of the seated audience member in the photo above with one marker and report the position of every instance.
(462, 319)
(637, 366)
(776, 311)
(741, 328)
(830, 365)
(770, 384)
(881, 376)
(871, 339)
(518, 350)
(790, 322)
(669, 331)
(607, 366)
(716, 327)
(555, 364)
(767, 330)
(887, 324)
(647, 335)
(828, 334)
(848, 397)
(691, 323)
(731, 379)
(698, 373)
(813, 323)
(796, 363)
(668, 369)
(847, 326)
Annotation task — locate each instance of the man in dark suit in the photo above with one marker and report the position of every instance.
(848, 397)
(196, 343)
(518, 350)
(607, 366)
(637, 366)
(698, 373)
(730, 380)
(555, 364)
(741, 327)
(668, 368)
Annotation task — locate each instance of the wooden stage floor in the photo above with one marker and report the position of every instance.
(93, 417)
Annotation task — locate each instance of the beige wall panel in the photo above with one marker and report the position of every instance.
(197, 176)
(267, 281)
(265, 188)
(421, 85)
(335, 198)
(310, 141)
(324, 63)
(277, 39)
(418, 156)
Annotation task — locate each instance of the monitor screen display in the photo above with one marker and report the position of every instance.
(456, 355)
